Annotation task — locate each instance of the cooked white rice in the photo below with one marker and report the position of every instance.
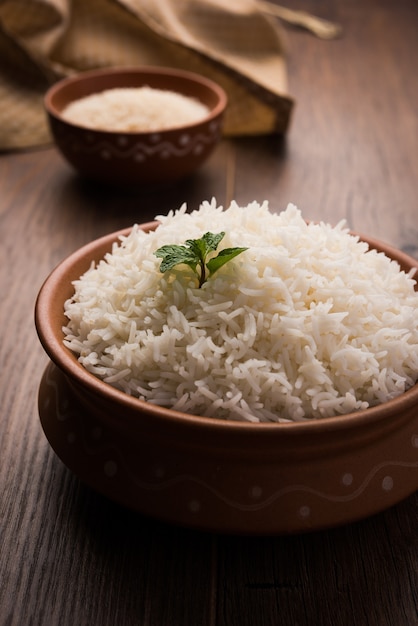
(135, 109)
(307, 323)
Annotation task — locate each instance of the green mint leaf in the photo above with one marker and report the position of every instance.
(173, 255)
(195, 253)
(213, 240)
(223, 257)
(208, 243)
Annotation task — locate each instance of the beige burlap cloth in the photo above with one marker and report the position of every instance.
(237, 43)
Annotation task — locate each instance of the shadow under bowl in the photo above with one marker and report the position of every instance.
(134, 158)
(213, 474)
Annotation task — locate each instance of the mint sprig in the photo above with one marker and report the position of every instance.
(195, 254)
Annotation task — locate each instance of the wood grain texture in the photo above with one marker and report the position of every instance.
(69, 557)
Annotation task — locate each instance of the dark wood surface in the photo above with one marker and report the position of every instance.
(69, 557)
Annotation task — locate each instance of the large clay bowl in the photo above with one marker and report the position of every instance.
(214, 474)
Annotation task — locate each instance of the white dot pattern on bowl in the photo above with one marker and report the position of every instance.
(256, 491)
(387, 483)
(194, 506)
(347, 479)
(184, 140)
(119, 147)
(59, 400)
(305, 511)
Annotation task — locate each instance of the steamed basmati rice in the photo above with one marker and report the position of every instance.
(306, 323)
(135, 109)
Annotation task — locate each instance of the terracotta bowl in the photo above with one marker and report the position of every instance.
(136, 157)
(212, 474)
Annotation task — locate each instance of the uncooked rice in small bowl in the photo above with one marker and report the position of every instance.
(135, 109)
(307, 323)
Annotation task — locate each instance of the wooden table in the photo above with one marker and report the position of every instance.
(69, 557)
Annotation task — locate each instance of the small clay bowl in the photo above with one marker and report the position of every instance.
(136, 157)
(213, 474)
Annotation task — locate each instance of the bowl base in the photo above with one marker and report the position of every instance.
(177, 496)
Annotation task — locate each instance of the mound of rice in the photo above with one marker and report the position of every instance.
(307, 323)
(135, 109)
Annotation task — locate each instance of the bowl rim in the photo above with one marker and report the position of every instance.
(65, 360)
(145, 70)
